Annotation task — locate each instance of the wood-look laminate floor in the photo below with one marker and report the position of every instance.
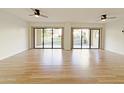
(60, 66)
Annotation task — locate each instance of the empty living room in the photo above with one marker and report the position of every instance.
(61, 45)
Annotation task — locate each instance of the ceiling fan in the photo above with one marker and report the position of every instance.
(37, 13)
(105, 17)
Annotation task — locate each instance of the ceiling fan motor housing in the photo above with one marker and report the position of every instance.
(103, 17)
(37, 12)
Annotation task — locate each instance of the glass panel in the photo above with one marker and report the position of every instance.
(94, 38)
(76, 38)
(85, 38)
(38, 38)
(48, 38)
(57, 35)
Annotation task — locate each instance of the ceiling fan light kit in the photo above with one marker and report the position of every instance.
(103, 17)
(103, 20)
(36, 15)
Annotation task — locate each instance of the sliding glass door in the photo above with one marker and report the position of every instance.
(85, 38)
(95, 36)
(57, 38)
(38, 38)
(48, 37)
(85, 34)
(76, 38)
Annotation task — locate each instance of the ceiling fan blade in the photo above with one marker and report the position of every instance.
(33, 9)
(98, 19)
(43, 16)
(31, 15)
(111, 17)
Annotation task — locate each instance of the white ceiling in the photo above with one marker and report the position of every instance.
(84, 15)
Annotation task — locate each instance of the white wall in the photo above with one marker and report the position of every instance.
(114, 38)
(67, 30)
(13, 35)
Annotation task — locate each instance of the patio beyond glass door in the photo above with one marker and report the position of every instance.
(95, 35)
(77, 38)
(85, 35)
(85, 38)
(57, 38)
(48, 38)
(81, 38)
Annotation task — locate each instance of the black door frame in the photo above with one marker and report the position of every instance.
(72, 30)
(51, 37)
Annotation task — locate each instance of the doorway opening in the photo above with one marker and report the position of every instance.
(48, 38)
(85, 38)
